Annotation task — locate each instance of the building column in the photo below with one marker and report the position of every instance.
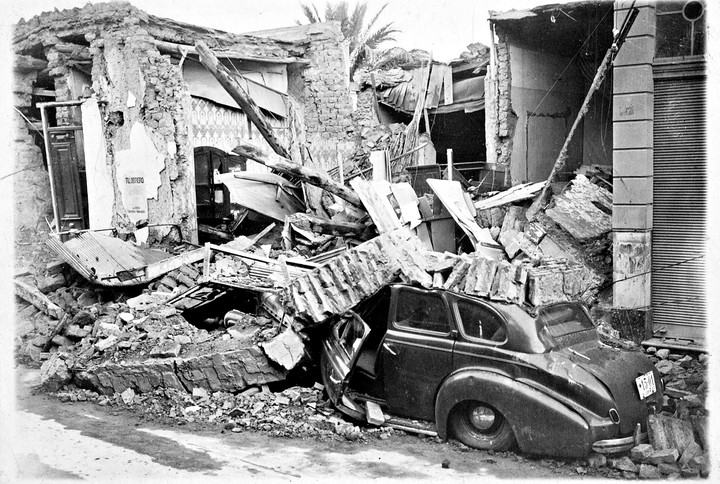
(633, 162)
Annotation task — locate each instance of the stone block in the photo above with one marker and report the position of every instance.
(623, 464)
(648, 471)
(633, 79)
(692, 450)
(663, 455)
(632, 191)
(668, 468)
(54, 373)
(700, 424)
(669, 433)
(641, 452)
(106, 343)
(632, 134)
(633, 107)
(286, 349)
(632, 217)
(51, 283)
(60, 340)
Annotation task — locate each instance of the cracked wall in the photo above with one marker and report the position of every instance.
(31, 184)
(145, 110)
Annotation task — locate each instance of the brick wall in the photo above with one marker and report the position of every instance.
(322, 90)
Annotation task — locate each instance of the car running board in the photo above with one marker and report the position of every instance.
(414, 426)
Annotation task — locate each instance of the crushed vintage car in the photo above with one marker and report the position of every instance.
(488, 374)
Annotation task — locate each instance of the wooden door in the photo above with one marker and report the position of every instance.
(68, 180)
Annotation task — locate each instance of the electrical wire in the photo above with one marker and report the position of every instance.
(587, 39)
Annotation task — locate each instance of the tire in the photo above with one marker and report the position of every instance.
(481, 426)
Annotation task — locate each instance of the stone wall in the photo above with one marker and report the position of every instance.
(633, 160)
(30, 176)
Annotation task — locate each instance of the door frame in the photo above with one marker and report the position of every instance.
(46, 139)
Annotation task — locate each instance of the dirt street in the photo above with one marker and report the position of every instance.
(81, 440)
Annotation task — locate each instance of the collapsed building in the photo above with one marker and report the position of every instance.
(313, 192)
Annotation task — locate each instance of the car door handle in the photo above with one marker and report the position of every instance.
(389, 349)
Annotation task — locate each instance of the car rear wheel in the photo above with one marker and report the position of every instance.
(481, 426)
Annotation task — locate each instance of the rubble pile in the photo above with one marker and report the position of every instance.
(296, 412)
(678, 440)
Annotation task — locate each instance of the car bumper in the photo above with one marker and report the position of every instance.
(614, 446)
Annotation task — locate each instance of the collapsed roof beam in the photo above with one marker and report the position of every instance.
(227, 80)
(308, 175)
(181, 49)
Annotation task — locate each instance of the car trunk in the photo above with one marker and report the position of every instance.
(617, 370)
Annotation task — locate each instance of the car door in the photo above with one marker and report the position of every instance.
(417, 352)
(340, 350)
(482, 330)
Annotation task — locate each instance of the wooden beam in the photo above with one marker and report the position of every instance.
(26, 63)
(327, 226)
(33, 295)
(180, 49)
(308, 175)
(227, 80)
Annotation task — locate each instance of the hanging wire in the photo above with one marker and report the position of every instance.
(587, 39)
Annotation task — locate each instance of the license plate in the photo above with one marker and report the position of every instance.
(645, 385)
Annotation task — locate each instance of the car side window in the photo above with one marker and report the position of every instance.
(423, 311)
(477, 321)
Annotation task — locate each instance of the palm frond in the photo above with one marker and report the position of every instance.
(375, 17)
(310, 12)
(383, 34)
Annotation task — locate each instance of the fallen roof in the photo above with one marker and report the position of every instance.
(110, 261)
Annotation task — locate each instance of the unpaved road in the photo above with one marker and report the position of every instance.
(55, 440)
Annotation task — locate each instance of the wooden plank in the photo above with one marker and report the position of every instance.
(181, 49)
(157, 269)
(511, 195)
(308, 175)
(327, 226)
(451, 195)
(233, 87)
(33, 295)
(378, 207)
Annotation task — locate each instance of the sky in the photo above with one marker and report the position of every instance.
(443, 27)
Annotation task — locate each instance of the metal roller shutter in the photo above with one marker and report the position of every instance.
(679, 215)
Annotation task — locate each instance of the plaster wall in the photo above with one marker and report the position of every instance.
(545, 112)
(146, 128)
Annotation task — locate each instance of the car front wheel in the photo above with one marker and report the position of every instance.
(481, 426)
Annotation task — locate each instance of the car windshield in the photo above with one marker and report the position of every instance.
(562, 324)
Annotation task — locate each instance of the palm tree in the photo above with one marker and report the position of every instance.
(362, 37)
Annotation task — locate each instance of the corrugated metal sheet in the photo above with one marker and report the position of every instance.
(679, 214)
(109, 261)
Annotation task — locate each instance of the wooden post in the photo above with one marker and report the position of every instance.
(450, 163)
(227, 80)
(304, 173)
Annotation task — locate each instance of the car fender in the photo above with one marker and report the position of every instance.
(541, 424)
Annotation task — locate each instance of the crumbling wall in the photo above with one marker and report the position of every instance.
(322, 89)
(500, 117)
(29, 173)
(145, 109)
